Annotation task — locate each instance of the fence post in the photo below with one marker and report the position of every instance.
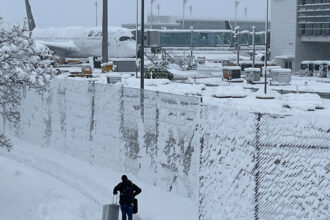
(256, 168)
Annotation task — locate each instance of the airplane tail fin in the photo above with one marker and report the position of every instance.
(228, 26)
(30, 19)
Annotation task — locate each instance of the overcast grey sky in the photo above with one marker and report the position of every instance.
(60, 13)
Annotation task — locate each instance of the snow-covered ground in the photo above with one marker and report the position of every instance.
(214, 91)
(38, 183)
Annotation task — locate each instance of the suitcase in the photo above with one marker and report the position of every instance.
(111, 212)
(135, 206)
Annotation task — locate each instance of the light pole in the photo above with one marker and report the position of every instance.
(191, 42)
(142, 46)
(238, 42)
(236, 6)
(190, 9)
(184, 7)
(105, 32)
(254, 46)
(152, 17)
(266, 50)
(158, 8)
(96, 5)
(136, 37)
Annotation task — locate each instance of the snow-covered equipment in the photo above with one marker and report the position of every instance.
(231, 72)
(249, 64)
(201, 60)
(124, 65)
(328, 70)
(111, 212)
(113, 78)
(269, 69)
(107, 67)
(304, 68)
(252, 74)
(153, 72)
(281, 76)
(86, 69)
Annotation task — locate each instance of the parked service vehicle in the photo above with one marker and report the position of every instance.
(86, 71)
(310, 68)
(318, 67)
(154, 72)
(304, 68)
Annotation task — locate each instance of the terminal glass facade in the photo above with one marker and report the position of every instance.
(207, 39)
(314, 17)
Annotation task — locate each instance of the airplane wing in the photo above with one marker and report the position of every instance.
(64, 48)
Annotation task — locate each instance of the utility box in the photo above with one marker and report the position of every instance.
(268, 70)
(281, 76)
(252, 74)
(113, 78)
(126, 65)
(231, 72)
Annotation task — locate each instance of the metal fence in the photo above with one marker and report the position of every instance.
(237, 164)
(263, 166)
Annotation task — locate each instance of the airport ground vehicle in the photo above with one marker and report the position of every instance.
(154, 72)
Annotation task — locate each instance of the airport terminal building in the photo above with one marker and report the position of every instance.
(300, 30)
(174, 22)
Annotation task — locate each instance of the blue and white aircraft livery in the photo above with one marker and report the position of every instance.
(81, 42)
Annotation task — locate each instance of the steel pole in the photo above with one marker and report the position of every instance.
(238, 35)
(254, 46)
(136, 38)
(184, 3)
(142, 45)
(105, 55)
(152, 2)
(266, 50)
(191, 42)
(96, 5)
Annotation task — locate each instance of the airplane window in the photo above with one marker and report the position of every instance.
(124, 38)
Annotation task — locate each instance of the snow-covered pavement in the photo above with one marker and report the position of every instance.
(42, 184)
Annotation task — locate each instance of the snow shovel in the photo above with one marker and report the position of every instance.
(111, 212)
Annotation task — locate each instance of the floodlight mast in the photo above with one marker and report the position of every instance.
(142, 46)
(152, 15)
(105, 55)
(266, 50)
(183, 14)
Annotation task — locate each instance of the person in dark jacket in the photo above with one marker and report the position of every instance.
(128, 191)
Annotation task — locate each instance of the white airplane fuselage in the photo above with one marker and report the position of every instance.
(80, 42)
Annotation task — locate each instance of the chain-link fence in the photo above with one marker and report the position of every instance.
(262, 166)
(237, 164)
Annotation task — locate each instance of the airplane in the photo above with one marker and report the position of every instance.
(81, 42)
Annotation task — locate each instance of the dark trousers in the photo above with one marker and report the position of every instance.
(126, 210)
